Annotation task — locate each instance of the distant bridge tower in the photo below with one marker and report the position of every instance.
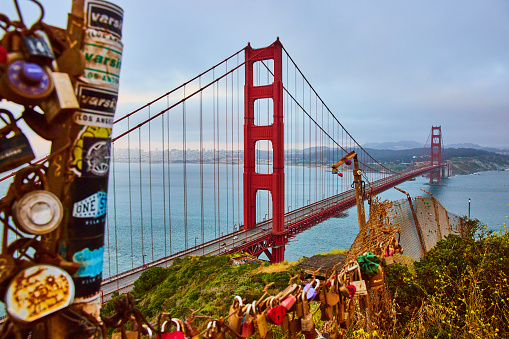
(253, 181)
(436, 154)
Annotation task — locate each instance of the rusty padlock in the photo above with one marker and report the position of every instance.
(15, 150)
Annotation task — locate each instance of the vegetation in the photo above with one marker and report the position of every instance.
(460, 289)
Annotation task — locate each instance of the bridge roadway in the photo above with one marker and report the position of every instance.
(249, 240)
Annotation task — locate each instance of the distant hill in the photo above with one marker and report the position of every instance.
(407, 145)
(399, 145)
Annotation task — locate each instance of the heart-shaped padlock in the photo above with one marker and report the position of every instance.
(276, 313)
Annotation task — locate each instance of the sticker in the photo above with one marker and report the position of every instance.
(92, 207)
(91, 262)
(104, 16)
(79, 150)
(97, 106)
(96, 157)
(102, 63)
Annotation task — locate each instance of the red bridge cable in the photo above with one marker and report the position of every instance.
(185, 98)
(316, 123)
(297, 67)
(179, 87)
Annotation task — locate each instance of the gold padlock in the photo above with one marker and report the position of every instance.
(62, 102)
(260, 322)
(235, 316)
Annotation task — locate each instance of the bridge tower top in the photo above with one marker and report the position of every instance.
(436, 153)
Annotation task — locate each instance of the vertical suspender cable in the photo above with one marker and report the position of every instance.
(226, 141)
(218, 165)
(202, 220)
(184, 153)
(231, 159)
(214, 123)
(115, 210)
(107, 224)
(303, 149)
(130, 195)
(169, 173)
(238, 146)
(150, 183)
(310, 147)
(141, 194)
(164, 184)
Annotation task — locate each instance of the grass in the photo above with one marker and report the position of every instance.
(460, 289)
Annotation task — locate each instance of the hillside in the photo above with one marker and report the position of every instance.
(459, 290)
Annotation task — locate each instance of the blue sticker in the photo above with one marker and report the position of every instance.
(91, 262)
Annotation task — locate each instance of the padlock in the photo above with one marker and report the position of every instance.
(177, 334)
(295, 327)
(25, 83)
(287, 297)
(276, 313)
(15, 149)
(396, 244)
(311, 291)
(306, 321)
(62, 102)
(260, 322)
(376, 282)
(325, 312)
(36, 210)
(356, 279)
(7, 267)
(288, 302)
(38, 291)
(388, 261)
(146, 331)
(285, 324)
(213, 331)
(248, 328)
(37, 48)
(235, 316)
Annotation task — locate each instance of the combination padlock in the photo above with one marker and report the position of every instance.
(15, 149)
(22, 81)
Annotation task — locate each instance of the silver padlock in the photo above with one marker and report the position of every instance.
(37, 212)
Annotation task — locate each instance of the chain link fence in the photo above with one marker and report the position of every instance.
(429, 219)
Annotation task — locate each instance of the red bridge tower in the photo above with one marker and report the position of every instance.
(253, 181)
(436, 154)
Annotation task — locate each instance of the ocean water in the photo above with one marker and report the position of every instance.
(488, 191)
(139, 228)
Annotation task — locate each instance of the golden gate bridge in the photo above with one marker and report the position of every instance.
(237, 159)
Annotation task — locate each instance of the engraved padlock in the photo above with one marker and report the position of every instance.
(15, 149)
(38, 291)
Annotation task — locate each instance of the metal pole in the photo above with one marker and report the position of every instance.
(73, 175)
(361, 215)
(468, 208)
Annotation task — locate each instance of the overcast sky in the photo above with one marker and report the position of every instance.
(388, 70)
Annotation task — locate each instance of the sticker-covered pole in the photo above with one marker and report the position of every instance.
(79, 176)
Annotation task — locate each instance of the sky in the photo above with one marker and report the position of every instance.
(388, 70)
